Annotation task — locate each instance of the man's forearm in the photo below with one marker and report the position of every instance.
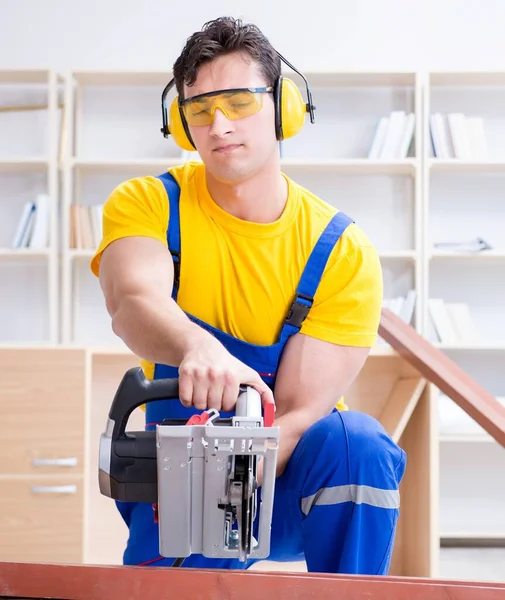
(156, 330)
(292, 426)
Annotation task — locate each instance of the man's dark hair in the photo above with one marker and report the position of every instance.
(223, 36)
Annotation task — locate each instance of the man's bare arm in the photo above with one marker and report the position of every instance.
(312, 377)
(136, 276)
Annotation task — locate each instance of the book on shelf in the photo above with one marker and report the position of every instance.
(455, 135)
(403, 306)
(393, 136)
(452, 322)
(85, 226)
(32, 230)
(476, 245)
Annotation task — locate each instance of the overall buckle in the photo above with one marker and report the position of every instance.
(298, 311)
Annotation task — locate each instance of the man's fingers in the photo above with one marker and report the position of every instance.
(186, 390)
(200, 393)
(230, 395)
(267, 396)
(215, 395)
(218, 388)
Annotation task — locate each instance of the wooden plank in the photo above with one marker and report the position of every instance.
(401, 404)
(417, 543)
(86, 582)
(448, 376)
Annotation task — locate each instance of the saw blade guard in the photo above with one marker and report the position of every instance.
(207, 483)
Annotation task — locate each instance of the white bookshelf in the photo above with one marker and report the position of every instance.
(463, 200)
(332, 160)
(113, 133)
(113, 121)
(29, 120)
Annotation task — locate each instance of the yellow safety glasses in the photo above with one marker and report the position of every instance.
(234, 103)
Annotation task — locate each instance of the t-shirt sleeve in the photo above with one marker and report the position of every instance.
(348, 302)
(137, 207)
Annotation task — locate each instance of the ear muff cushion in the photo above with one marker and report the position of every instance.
(176, 127)
(293, 108)
(277, 108)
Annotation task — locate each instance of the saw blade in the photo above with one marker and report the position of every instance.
(245, 486)
(247, 507)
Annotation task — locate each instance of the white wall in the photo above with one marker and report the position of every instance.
(148, 34)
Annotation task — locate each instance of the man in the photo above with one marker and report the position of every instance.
(248, 278)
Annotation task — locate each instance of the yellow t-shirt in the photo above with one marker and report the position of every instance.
(240, 276)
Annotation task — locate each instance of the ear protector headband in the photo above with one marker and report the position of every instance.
(290, 111)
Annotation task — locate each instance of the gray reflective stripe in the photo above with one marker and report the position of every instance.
(359, 494)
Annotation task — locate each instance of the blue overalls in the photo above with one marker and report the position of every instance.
(337, 503)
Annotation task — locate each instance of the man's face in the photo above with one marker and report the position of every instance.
(233, 150)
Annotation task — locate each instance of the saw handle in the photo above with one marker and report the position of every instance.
(135, 390)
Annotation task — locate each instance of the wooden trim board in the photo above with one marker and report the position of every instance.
(82, 582)
(450, 378)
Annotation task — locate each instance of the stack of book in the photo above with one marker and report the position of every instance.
(85, 226)
(452, 322)
(393, 136)
(33, 226)
(403, 306)
(456, 135)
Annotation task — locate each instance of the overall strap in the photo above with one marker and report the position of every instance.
(174, 232)
(312, 274)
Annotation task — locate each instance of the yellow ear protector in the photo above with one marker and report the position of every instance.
(290, 111)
